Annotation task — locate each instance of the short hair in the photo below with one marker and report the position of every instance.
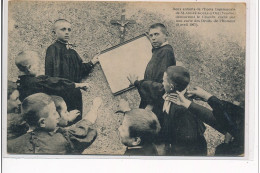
(57, 21)
(179, 76)
(143, 124)
(159, 25)
(32, 105)
(26, 58)
(58, 102)
(12, 86)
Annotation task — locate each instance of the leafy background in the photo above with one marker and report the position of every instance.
(216, 61)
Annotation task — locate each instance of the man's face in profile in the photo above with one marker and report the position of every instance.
(157, 37)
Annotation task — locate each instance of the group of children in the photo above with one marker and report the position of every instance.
(49, 120)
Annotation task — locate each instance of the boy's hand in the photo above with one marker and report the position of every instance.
(83, 86)
(228, 138)
(199, 92)
(93, 113)
(123, 105)
(179, 99)
(149, 107)
(132, 78)
(95, 59)
(73, 115)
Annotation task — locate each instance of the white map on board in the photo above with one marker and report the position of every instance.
(130, 58)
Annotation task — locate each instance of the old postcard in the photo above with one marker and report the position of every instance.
(126, 78)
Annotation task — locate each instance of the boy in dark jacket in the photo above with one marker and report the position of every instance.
(63, 61)
(182, 132)
(30, 82)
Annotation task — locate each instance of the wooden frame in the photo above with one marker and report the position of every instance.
(122, 55)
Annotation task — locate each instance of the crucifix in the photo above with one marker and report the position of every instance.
(122, 24)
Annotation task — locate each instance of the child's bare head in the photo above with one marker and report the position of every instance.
(13, 102)
(157, 34)
(28, 62)
(39, 111)
(161, 26)
(139, 127)
(176, 78)
(61, 106)
(62, 29)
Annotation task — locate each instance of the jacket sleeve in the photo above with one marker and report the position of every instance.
(150, 91)
(228, 115)
(85, 68)
(205, 115)
(52, 85)
(169, 58)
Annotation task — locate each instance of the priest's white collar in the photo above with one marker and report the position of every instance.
(164, 43)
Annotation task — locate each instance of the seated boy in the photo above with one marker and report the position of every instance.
(44, 137)
(63, 61)
(61, 108)
(15, 124)
(31, 82)
(229, 118)
(138, 131)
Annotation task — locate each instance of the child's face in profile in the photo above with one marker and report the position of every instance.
(62, 31)
(167, 86)
(64, 110)
(51, 117)
(157, 37)
(34, 67)
(13, 103)
(124, 133)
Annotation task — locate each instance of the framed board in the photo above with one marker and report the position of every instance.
(130, 57)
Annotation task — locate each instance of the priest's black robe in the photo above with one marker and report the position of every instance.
(29, 84)
(65, 63)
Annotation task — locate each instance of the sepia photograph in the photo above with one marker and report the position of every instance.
(126, 79)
